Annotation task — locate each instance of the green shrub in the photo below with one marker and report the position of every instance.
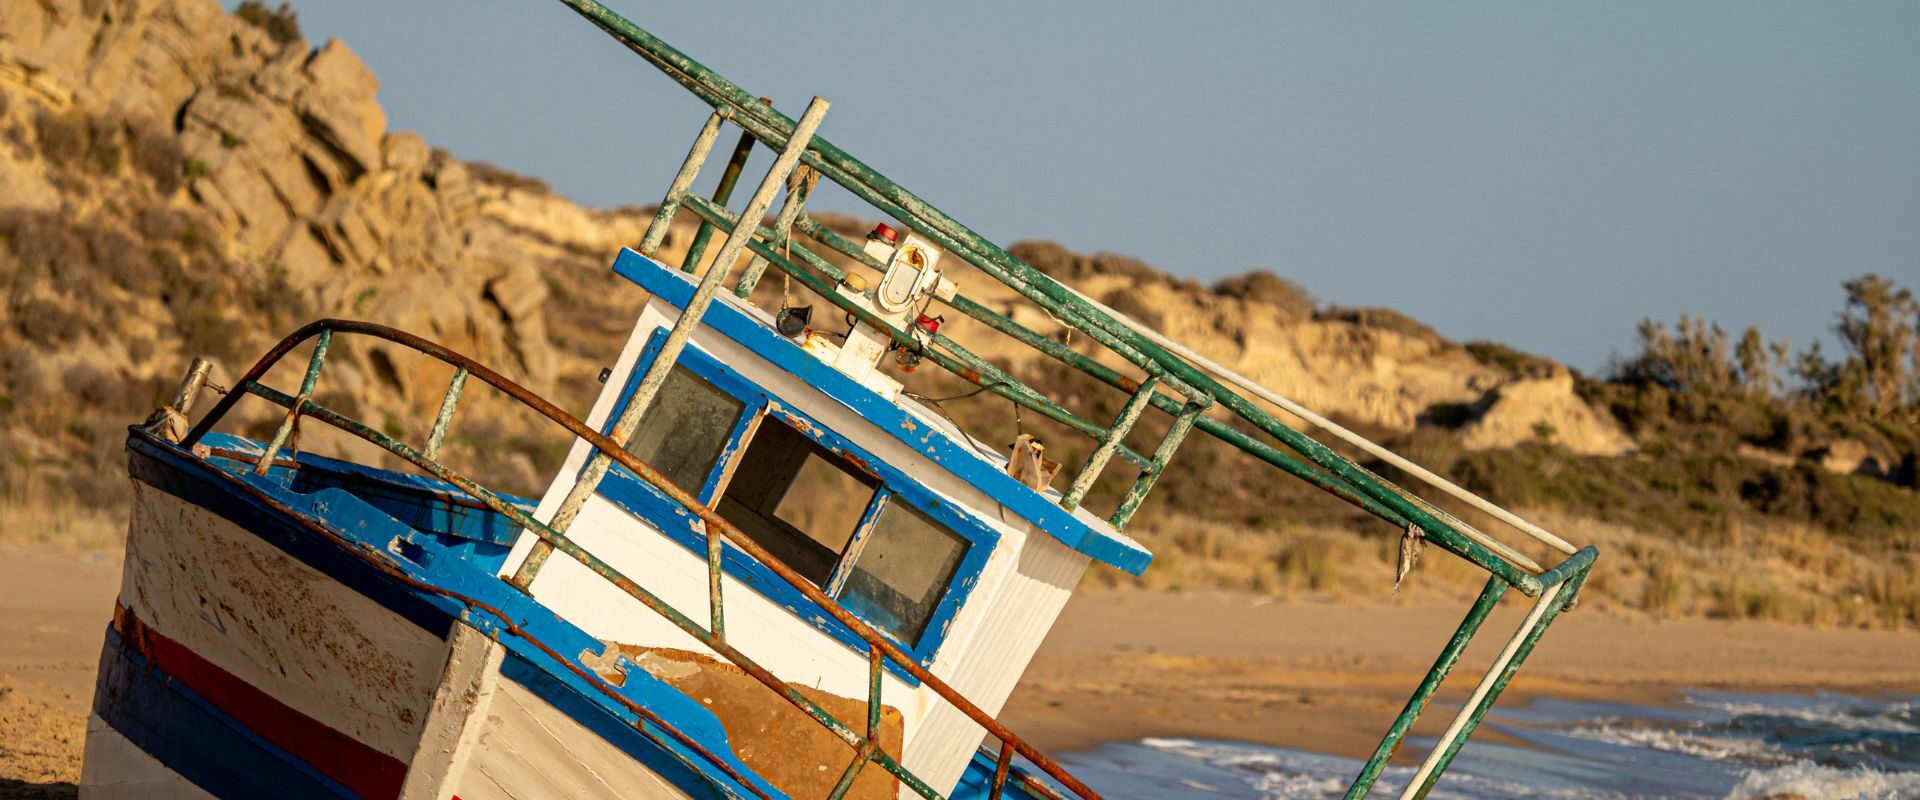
(1384, 319)
(1512, 360)
(156, 154)
(1261, 286)
(485, 172)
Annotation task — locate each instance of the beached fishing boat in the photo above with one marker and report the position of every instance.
(764, 570)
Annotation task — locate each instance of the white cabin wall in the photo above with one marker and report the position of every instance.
(1018, 595)
(1016, 619)
(527, 748)
(762, 629)
(766, 632)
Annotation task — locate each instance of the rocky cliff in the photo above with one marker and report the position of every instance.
(179, 181)
(176, 181)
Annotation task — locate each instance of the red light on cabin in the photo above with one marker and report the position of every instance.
(885, 234)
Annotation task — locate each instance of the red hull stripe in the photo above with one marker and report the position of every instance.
(362, 769)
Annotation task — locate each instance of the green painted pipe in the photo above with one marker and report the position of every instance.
(948, 233)
(962, 362)
(1456, 646)
(721, 194)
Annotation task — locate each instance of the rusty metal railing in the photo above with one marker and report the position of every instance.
(865, 744)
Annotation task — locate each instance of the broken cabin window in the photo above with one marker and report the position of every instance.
(797, 499)
(685, 431)
(806, 505)
(902, 570)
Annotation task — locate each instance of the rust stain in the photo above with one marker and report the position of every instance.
(784, 744)
(799, 423)
(858, 462)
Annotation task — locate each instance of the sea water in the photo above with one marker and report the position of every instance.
(1711, 745)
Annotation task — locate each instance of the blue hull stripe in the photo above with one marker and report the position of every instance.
(190, 736)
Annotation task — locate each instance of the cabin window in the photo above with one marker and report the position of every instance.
(685, 432)
(902, 570)
(797, 499)
(874, 539)
(810, 508)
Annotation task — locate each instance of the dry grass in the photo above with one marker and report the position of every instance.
(37, 514)
(1324, 562)
(1781, 572)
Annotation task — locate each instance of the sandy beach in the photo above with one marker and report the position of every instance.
(1324, 677)
(1121, 665)
(54, 607)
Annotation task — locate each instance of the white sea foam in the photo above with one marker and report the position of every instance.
(1745, 749)
(1815, 782)
(1274, 774)
(1842, 713)
(1279, 775)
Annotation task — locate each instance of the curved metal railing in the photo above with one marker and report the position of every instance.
(865, 743)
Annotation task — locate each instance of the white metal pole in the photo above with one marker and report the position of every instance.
(1480, 692)
(678, 337)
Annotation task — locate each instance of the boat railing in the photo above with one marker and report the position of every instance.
(1175, 380)
(1170, 378)
(862, 737)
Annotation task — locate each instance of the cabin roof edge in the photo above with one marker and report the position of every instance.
(1077, 529)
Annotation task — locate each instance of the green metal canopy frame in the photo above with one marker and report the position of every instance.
(1192, 385)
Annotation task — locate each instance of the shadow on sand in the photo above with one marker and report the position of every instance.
(12, 789)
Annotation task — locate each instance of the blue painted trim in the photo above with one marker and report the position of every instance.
(976, 783)
(424, 503)
(957, 457)
(626, 490)
(204, 484)
(192, 737)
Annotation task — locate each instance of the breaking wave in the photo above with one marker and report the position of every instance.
(1815, 782)
(1715, 745)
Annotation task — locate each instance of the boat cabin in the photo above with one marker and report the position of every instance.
(879, 502)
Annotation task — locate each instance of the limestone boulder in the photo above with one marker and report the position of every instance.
(1543, 410)
(339, 110)
(1848, 457)
(405, 153)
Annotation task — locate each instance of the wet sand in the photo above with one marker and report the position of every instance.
(1325, 677)
(1121, 665)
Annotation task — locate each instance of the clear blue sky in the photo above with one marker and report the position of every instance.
(1540, 174)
